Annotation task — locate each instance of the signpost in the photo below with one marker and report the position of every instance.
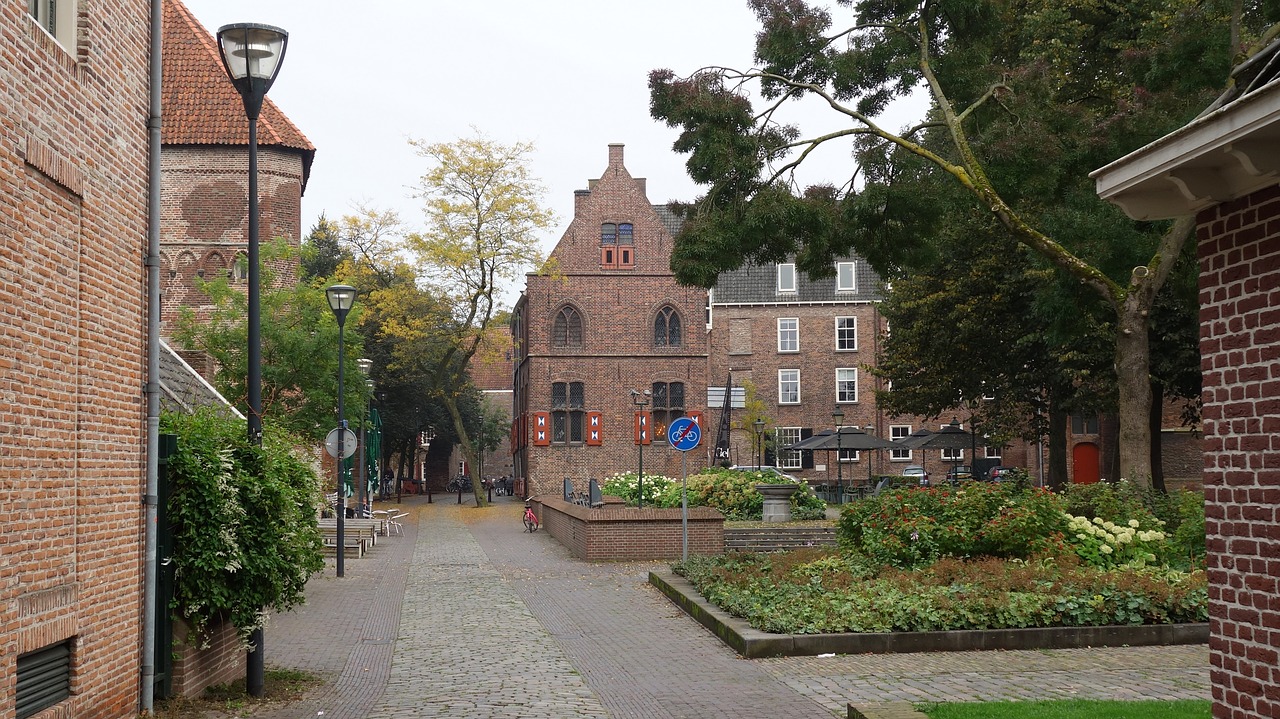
(684, 434)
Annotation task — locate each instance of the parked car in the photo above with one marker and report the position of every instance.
(917, 471)
(959, 472)
(767, 471)
(998, 473)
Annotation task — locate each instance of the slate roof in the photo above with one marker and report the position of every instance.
(182, 389)
(759, 285)
(669, 218)
(198, 103)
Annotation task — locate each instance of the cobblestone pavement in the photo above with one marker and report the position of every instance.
(469, 616)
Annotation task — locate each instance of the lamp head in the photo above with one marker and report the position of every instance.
(341, 298)
(838, 417)
(252, 54)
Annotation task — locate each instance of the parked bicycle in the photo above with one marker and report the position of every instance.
(459, 484)
(530, 519)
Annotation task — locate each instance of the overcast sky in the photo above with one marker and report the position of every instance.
(569, 76)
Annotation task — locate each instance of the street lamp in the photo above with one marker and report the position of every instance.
(252, 54)
(341, 297)
(869, 429)
(759, 443)
(362, 490)
(641, 400)
(838, 417)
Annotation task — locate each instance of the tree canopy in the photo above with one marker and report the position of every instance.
(1027, 97)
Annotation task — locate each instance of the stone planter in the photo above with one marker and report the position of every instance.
(777, 500)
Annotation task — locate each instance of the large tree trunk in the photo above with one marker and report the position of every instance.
(1155, 422)
(1057, 448)
(1133, 378)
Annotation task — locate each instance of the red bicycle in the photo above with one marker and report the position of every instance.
(530, 519)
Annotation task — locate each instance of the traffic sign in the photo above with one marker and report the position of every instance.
(684, 434)
(349, 442)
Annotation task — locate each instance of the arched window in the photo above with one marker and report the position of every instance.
(566, 330)
(608, 234)
(666, 328)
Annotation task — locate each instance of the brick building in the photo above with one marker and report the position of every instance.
(73, 178)
(1221, 168)
(204, 166)
(610, 320)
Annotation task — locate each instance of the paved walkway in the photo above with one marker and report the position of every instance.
(468, 616)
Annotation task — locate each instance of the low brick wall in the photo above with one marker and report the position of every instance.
(616, 532)
(196, 669)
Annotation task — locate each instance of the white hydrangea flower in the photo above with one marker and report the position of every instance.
(1133, 523)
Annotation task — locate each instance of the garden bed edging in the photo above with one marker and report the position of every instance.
(617, 532)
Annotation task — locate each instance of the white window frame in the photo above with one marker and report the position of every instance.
(842, 333)
(787, 458)
(793, 378)
(787, 277)
(843, 378)
(994, 452)
(897, 432)
(61, 25)
(848, 455)
(846, 277)
(792, 333)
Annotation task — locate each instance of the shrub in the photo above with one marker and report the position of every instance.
(244, 522)
(1103, 543)
(1180, 515)
(627, 486)
(730, 491)
(911, 527)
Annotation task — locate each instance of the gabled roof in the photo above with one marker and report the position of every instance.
(184, 390)
(758, 284)
(198, 103)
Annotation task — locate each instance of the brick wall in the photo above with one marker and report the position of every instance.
(195, 668)
(73, 151)
(1239, 251)
(204, 225)
(614, 533)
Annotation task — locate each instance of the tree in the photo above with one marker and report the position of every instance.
(299, 351)
(483, 217)
(1026, 98)
(321, 250)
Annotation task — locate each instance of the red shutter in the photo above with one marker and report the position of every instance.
(541, 429)
(607, 257)
(643, 435)
(695, 416)
(625, 258)
(595, 421)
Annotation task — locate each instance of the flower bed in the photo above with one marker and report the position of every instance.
(730, 491)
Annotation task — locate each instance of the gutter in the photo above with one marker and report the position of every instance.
(152, 263)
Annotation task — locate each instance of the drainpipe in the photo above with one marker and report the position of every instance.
(152, 264)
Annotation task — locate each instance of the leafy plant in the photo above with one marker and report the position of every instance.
(243, 522)
(730, 491)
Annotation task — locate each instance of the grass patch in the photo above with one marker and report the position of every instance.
(1070, 709)
(280, 686)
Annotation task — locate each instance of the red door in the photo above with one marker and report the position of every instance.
(1085, 466)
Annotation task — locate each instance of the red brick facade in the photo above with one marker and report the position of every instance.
(1239, 249)
(73, 160)
(616, 308)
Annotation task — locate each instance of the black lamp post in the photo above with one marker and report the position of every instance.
(363, 500)
(869, 430)
(252, 54)
(838, 417)
(341, 297)
(641, 400)
(759, 443)
(955, 458)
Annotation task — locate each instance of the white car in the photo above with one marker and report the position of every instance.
(917, 471)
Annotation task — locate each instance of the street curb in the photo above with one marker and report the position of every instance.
(754, 644)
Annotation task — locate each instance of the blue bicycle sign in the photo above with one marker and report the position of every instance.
(684, 434)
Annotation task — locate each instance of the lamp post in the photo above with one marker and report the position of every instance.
(341, 297)
(869, 429)
(758, 446)
(641, 400)
(838, 417)
(252, 54)
(362, 490)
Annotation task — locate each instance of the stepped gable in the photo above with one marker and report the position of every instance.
(199, 104)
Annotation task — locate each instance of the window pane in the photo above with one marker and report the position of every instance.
(897, 432)
(846, 385)
(575, 395)
(788, 334)
(608, 234)
(624, 234)
(844, 277)
(673, 330)
(559, 420)
(846, 333)
(575, 426)
(788, 458)
(675, 395)
(787, 278)
(788, 386)
(659, 390)
(558, 395)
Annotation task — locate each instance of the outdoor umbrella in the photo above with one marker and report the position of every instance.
(849, 438)
(811, 442)
(949, 437)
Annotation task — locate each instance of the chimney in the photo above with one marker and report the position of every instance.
(579, 200)
(615, 155)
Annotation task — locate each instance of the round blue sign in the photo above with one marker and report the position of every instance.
(684, 434)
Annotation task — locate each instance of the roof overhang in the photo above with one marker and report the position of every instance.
(1227, 154)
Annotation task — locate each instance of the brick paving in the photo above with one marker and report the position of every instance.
(467, 615)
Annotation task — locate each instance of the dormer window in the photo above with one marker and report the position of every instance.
(846, 280)
(787, 278)
(617, 246)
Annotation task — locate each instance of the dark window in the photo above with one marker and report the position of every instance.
(666, 328)
(609, 234)
(1084, 425)
(567, 415)
(668, 406)
(566, 331)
